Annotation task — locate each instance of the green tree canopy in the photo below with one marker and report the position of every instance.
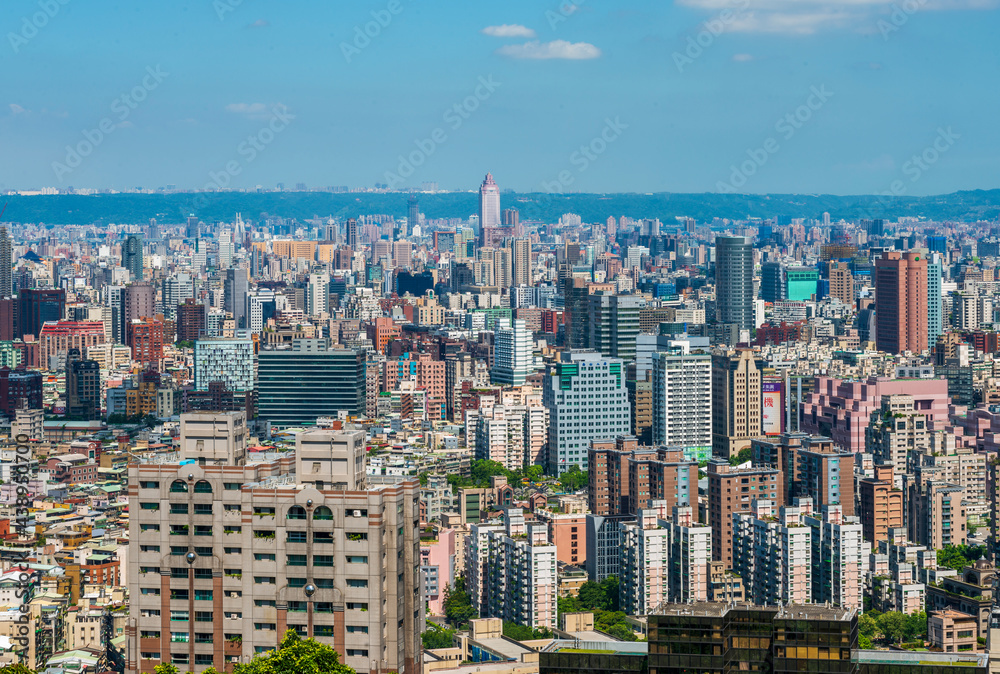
(437, 637)
(573, 479)
(959, 556)
(458, 608)
(295, 656)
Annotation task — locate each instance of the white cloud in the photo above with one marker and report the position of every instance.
(256, 111)
(259, 23)
(742, 58)
(805, 17)
(508, 30)
(16, 109)
(557, 49)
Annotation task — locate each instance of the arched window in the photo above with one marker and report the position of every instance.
(296, 513)
(178, 487)
(202, 487)
(323, 513)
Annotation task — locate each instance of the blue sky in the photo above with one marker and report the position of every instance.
(538, 81)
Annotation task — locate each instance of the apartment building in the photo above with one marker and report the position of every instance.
(736, 402)
(772, 552)
(511, 571)
(881, 504)
(682, 398)
(733, 490)
(231, 553)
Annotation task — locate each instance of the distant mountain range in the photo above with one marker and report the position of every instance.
(210, 207)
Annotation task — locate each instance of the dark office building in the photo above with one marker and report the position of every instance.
(8, 319)
(36, 307)
(190, 320)
(17, 387)
(415, 284)
(83, 387)
(713, 637)
(132, 255)
(295, 385)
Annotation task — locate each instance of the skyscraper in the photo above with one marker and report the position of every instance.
(413, 216)
(352, 233)
(734, 281)
(132, 255)
(736, 402)
(512, 353)
(6, 265)
(935, 266)
(901, 302)
(37, 307)
(489, 207)
(842, 282)
(235, 295)
(521, 261)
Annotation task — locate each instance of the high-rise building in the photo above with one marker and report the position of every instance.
(772, 282)
(935, 310)
(234, 292)
(734, 281)
(511, 571)
(229, 360)
(881, 504)
(288, 379)
(736, 402)
(613, 323)
(587, 398)
(146, 339)
(35, 307)
(512, 353)
(132, 256)
(175, 289)
(138, 301)
(315, 551)
(226, 250)
(489, 208)
(520, 261)
(841, 281)
(726, 496)
(682, 398)
(901, 302)
(772, 553)
(412, 217)
(19, 388)
(352, 233)
(510, 217)
(318, 294)
(83, 387)
(6, 265)
(190, 320)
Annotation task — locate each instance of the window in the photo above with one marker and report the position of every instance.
(149, 484)
(180, 658)
(150, 655)
(202, 508)
(323, 607)
(296, 606)
(296, 582)
(178, 550)
(153, 591)
(204, 552)
(203, 616)
(263, 580)
(263, 602)
(179, 616)
(324, 582)
(178, 530)
(263, 557)
(357, 582)
(179, 572)
(149, 548)
(323, 560)
(231, 486)
(260, 627)
(202, 530)
(204, 658)
(232, 551)
(323, 630)
(357, 629)
(357, 606)
(178, 487)
(149, 527)
(202, 573)
(149, 506)
(231, 507)
(322, 513)
(202, 487)
(263, 512)
(178, 508)
(357, 536)
(179, 637)
(149, 569)
(296, 513)
(296, 560)
(203, 595)
(297, 537)
(357, 559)
(149, 634)
(322, 537)
(232, 530)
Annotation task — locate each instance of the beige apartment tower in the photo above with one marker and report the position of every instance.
(228, 554)
(736, 402)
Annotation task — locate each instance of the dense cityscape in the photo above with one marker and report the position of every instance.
(500, 444)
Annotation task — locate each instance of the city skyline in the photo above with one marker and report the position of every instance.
(648, 92)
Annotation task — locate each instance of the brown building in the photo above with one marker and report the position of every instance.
(881, 505)
(901, 302)
(640, 397)
(733, 490)
(146, 338)
(841, 282)
(625, 478)
(736, 402)
(190, 320)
